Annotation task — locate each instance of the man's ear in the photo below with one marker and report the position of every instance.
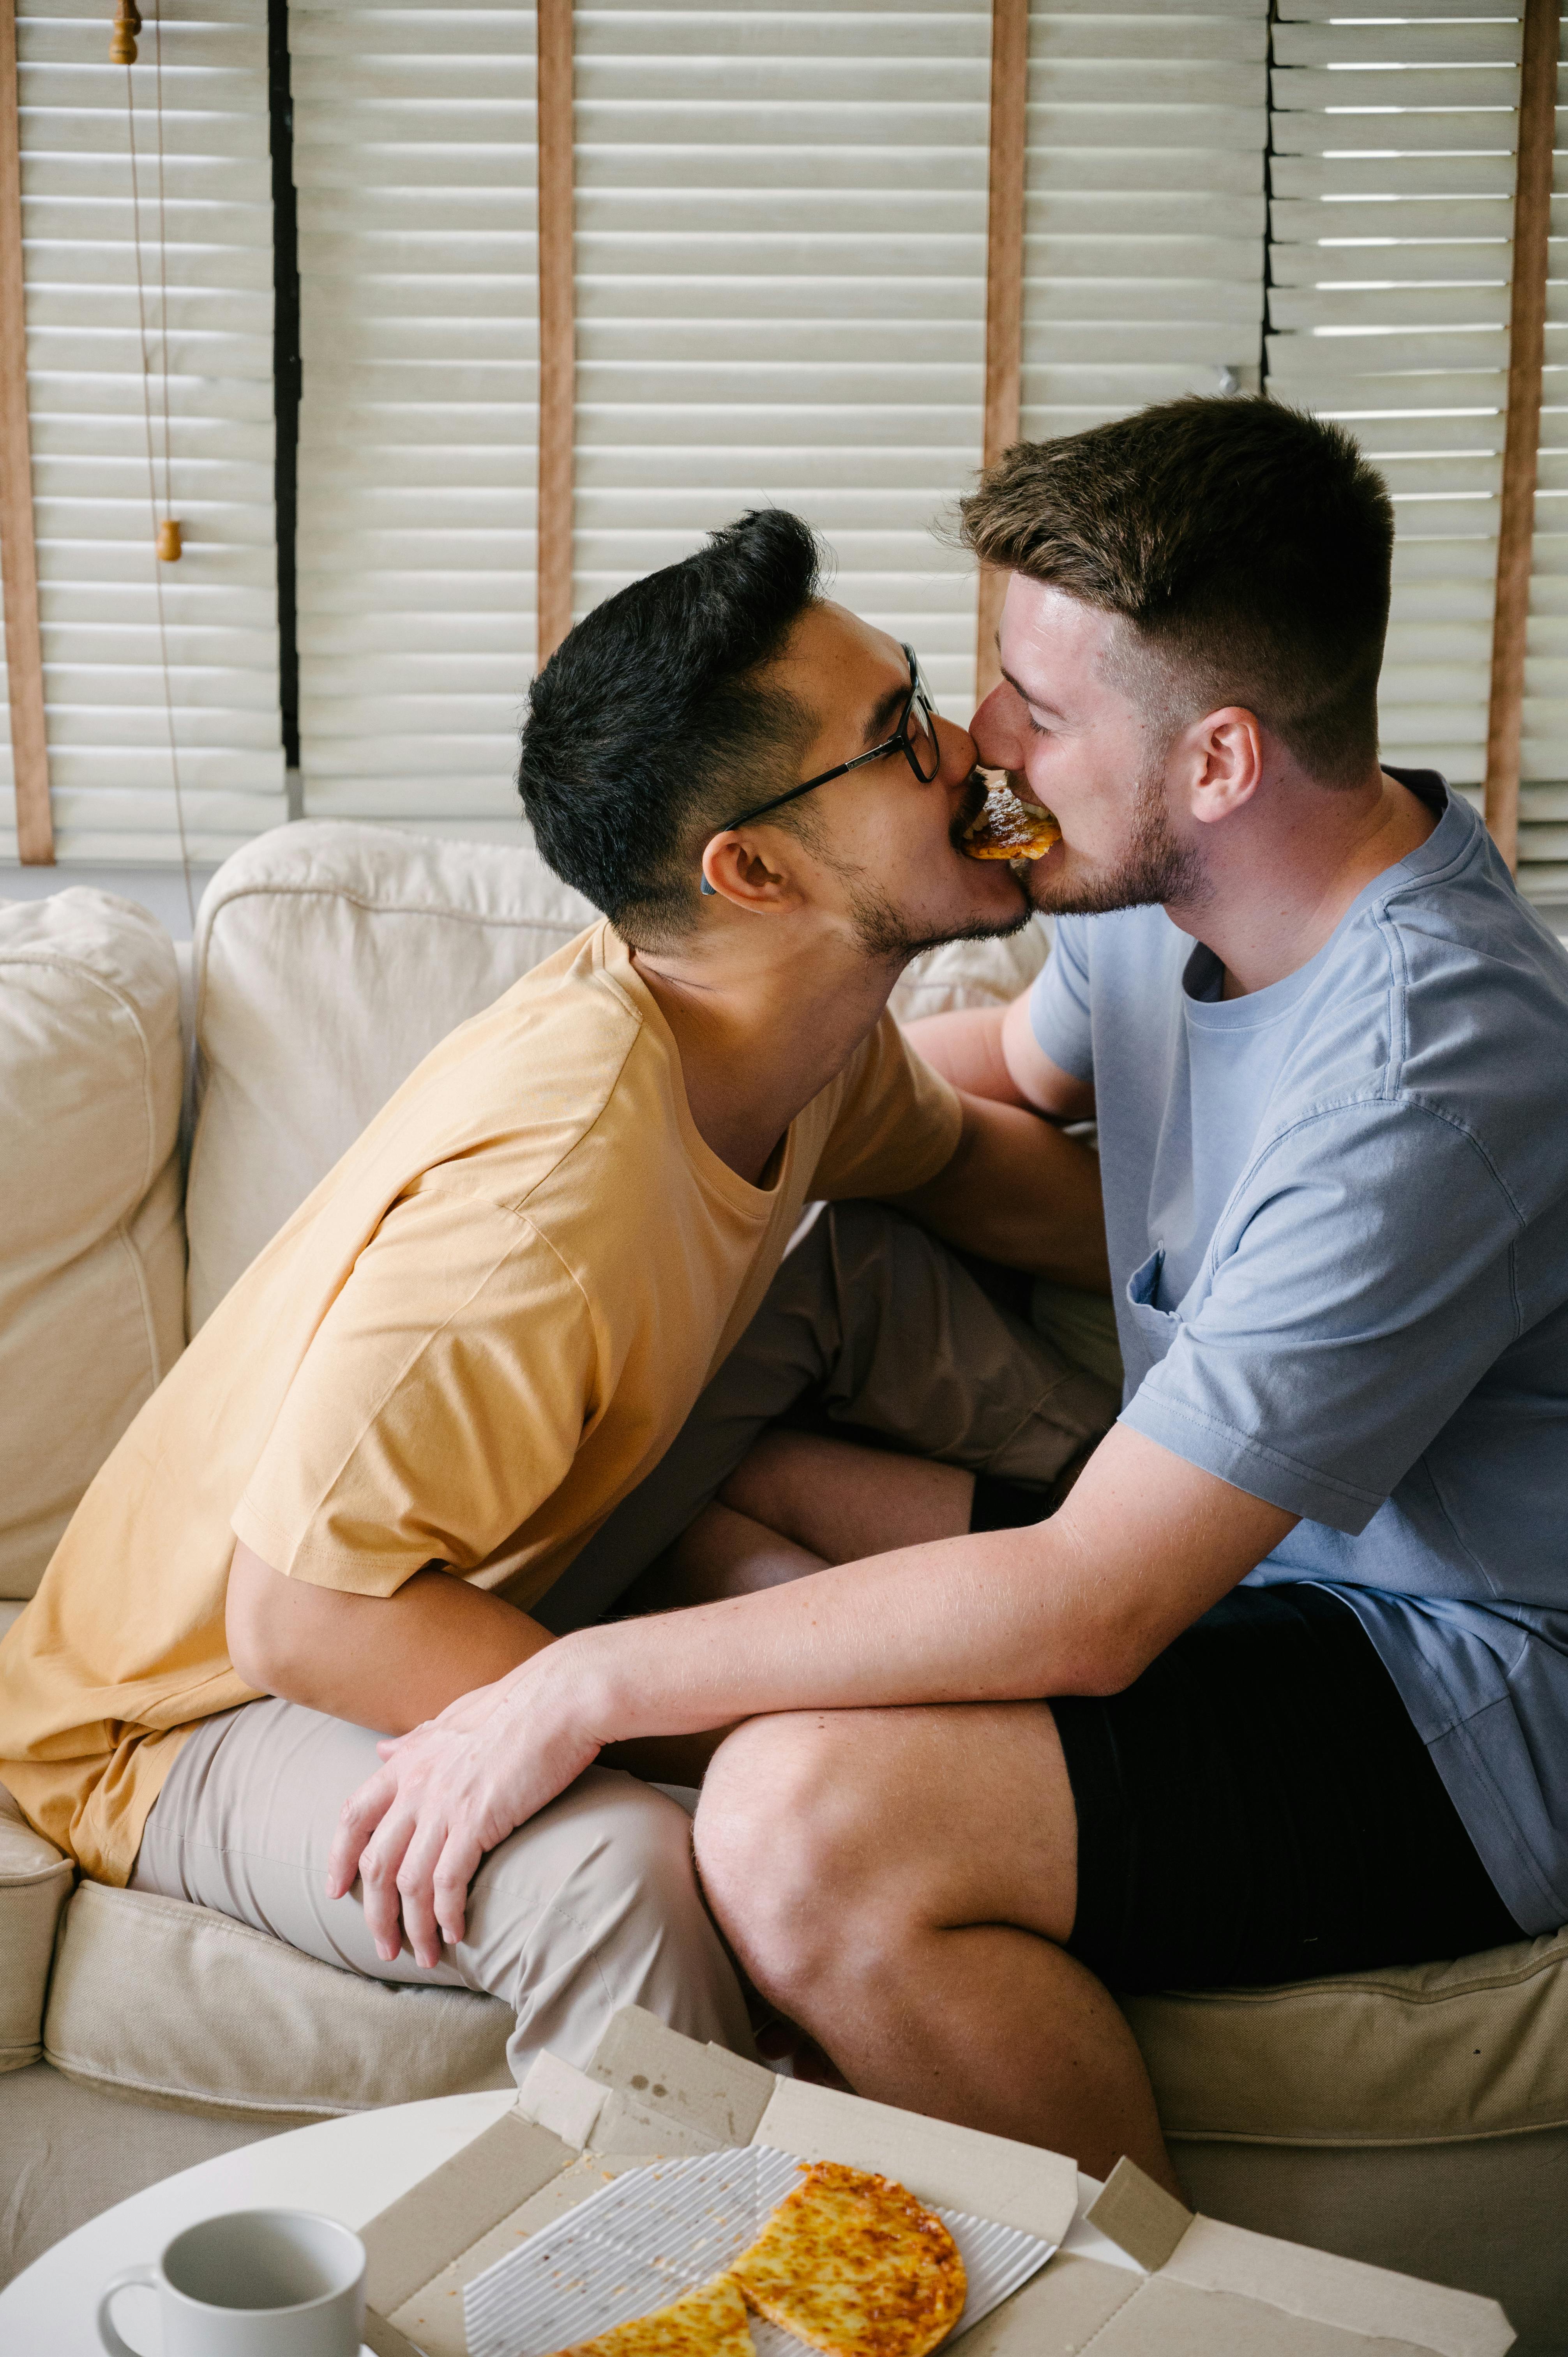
(736, 868)
(1223, 754)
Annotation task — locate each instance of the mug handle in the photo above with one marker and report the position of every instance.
(143, 2274)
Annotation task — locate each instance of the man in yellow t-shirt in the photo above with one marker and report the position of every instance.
(486, 1324)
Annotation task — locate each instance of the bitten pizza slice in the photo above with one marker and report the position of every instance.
(854, 2265)
(708, 2322)
(1009, 827)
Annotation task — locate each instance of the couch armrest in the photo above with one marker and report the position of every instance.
(35, 1883)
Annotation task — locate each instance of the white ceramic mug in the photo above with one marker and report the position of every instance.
(255, 2283)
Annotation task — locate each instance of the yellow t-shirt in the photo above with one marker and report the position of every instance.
(476, 1336)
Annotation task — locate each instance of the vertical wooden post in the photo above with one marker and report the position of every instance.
(1527, 345)
(1003, 284)
(18, 554)
(557, 328)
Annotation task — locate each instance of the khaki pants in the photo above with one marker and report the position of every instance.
(590, 1906)
(890, 1332)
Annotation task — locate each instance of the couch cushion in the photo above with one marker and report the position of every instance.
(35, 1883)
(92, 1270)
(1427, 2053)
(329, 959)
(332, 957)
(177, 2003)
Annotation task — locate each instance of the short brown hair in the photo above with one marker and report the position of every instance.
(1248, 544)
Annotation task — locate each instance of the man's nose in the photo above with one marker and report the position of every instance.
(956, 747)
(995, 739)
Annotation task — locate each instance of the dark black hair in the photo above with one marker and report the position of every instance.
(1248, 545)
(649, 726)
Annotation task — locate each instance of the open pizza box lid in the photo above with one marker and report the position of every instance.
(1136, 2275)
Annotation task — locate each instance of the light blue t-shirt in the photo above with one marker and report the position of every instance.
(1337, 1214)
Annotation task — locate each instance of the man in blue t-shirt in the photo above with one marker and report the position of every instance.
(1301, 1625)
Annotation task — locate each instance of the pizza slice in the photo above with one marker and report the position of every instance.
(853, 2265)
(707, 2322)
(1010, 827)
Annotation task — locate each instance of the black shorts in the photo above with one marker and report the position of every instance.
(1259, 1807)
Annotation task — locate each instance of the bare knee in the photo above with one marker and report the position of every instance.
(784, 1847)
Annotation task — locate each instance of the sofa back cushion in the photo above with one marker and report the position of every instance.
(329, 959)
(332, 957)
(92, 1259)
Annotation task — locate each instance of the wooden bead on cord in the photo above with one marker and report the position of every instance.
(123, 37)
(169, 549)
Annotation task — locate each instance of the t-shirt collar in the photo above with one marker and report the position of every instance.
(1202, 974)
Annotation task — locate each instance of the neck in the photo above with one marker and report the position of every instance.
(1281, 873)
(762, 1027)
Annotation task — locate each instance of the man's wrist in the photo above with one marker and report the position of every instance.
(575, 1684)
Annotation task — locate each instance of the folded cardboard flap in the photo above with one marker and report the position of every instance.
(1205, 2288)
(1335, 2304)
(1139, 2216)
(951, 2167)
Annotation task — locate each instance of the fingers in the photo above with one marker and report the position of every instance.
(362, 1812)
(458, 1863)
(378, 1869)
(414, 1883)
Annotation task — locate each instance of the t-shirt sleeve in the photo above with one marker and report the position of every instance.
(440, 1402)
(1358, 1288)
(897, 1121)
(1058, 1003)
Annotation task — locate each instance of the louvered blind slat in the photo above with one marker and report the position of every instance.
(107, 717)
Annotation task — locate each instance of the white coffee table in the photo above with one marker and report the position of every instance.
(350, 2169)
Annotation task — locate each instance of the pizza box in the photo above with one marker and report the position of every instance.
(1136, 2275)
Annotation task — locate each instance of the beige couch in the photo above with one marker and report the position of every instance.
(1419, 2118)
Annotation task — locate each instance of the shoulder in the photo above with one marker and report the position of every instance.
(514, 1093)
(1479, 997)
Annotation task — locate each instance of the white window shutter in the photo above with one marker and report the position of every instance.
(1389, 261)
(415, 167)
(781, 293)
(110, 766)
(1145, 228)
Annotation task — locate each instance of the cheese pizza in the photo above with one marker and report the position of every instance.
(854, 2265)
(708, 2322)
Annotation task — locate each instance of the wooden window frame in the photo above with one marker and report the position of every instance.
(19, 550)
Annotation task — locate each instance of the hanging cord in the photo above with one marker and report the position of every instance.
(166, 535)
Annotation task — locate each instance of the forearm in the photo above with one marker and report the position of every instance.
(1079, 1604)
(386, 1662)
(950, 1620)
(1020, 1192)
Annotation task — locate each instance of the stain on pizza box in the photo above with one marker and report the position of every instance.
(1135, 2273)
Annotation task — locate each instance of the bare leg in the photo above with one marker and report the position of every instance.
(844, 1502)
(900, 1883)
(797, 1503)
(723, 1554)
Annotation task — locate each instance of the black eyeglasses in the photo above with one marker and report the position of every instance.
(914, 737)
